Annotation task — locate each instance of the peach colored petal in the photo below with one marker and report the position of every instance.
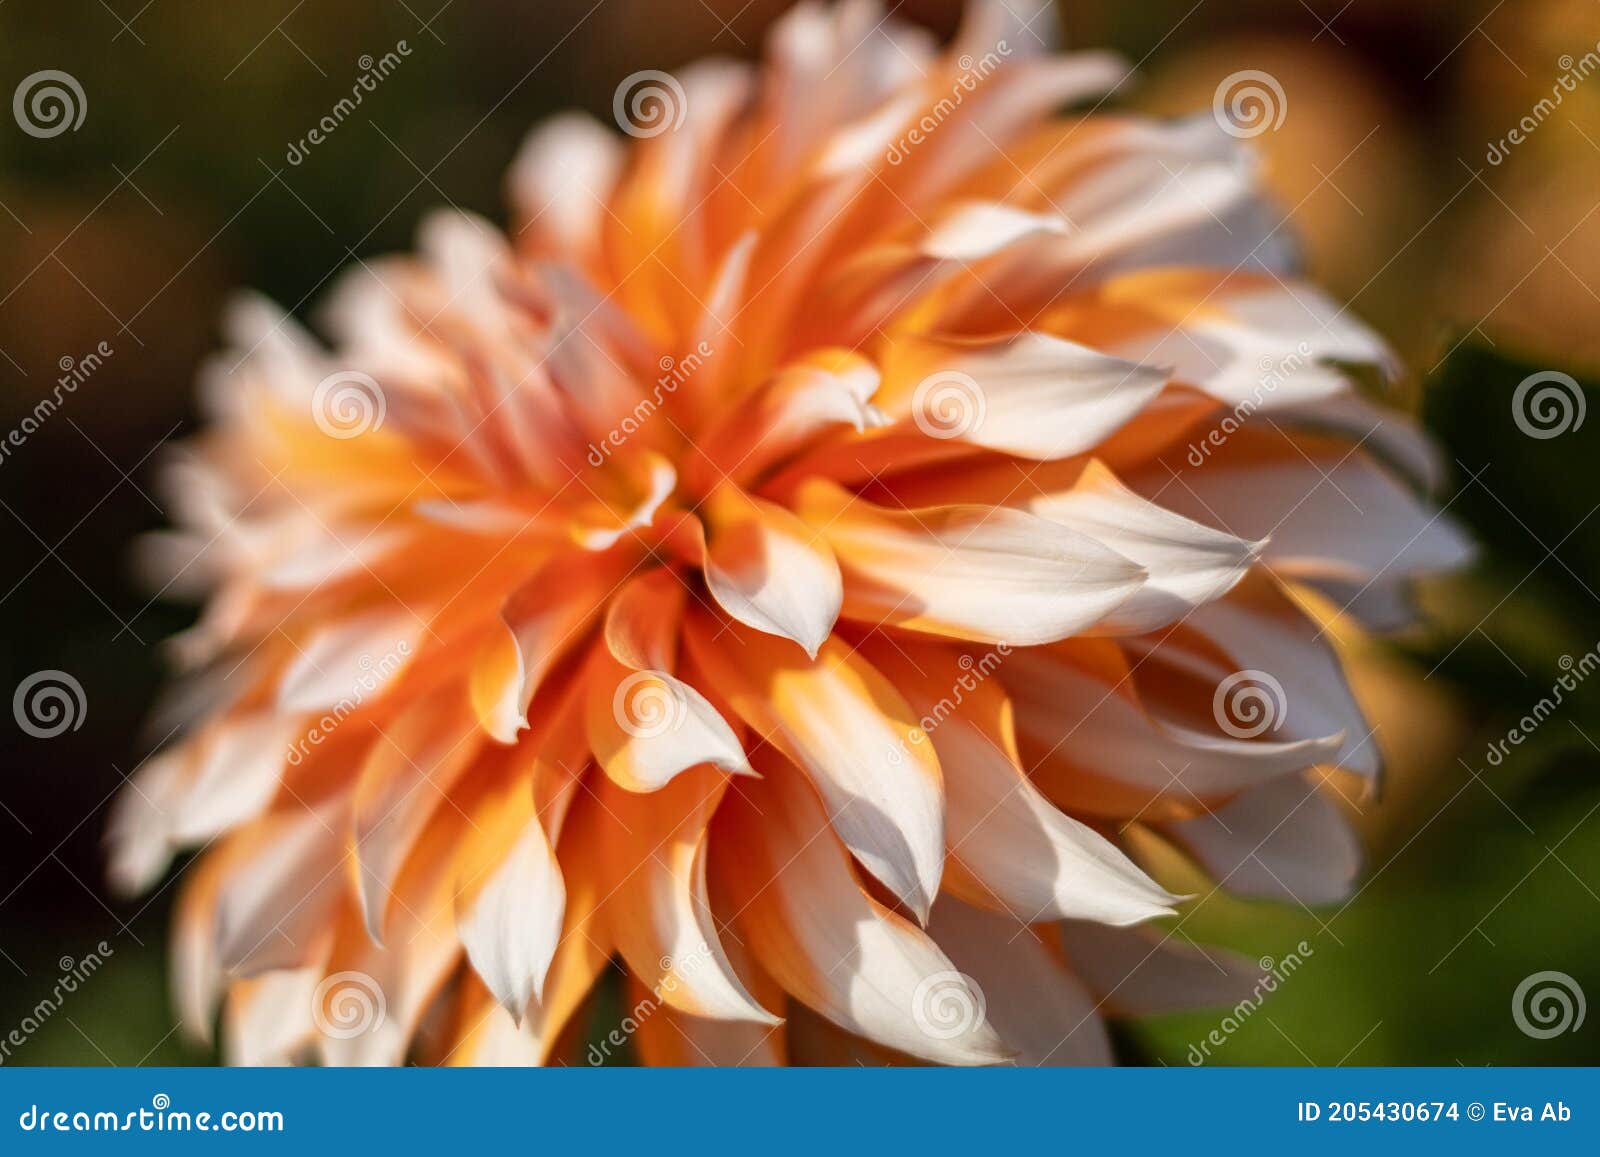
(408, 773)
(823, 938)
(1010, 848)
(847, 728)
(1141, 972)
(1039, 1009)
(1033, 395)
(659, 909)
(1283, 840)
(972, 572)
(770, 570)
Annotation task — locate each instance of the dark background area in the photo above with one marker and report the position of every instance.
(130, 231)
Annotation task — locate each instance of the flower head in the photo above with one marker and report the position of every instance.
(852, 518)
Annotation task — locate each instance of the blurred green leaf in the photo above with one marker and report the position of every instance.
(1526, 464)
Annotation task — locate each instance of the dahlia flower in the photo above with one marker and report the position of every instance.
(854, 520)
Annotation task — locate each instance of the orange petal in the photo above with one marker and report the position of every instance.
(658, 911)
(283, 885)
(769, 569)
(847, 727)
(543, 619)
(646, 727)
(510, 896)
(408, 772)
(817, 932)
(1012, 848)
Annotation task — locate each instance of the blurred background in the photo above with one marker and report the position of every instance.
(1477, 254)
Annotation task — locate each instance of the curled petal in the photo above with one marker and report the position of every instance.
(770, 570)
(648, 726)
